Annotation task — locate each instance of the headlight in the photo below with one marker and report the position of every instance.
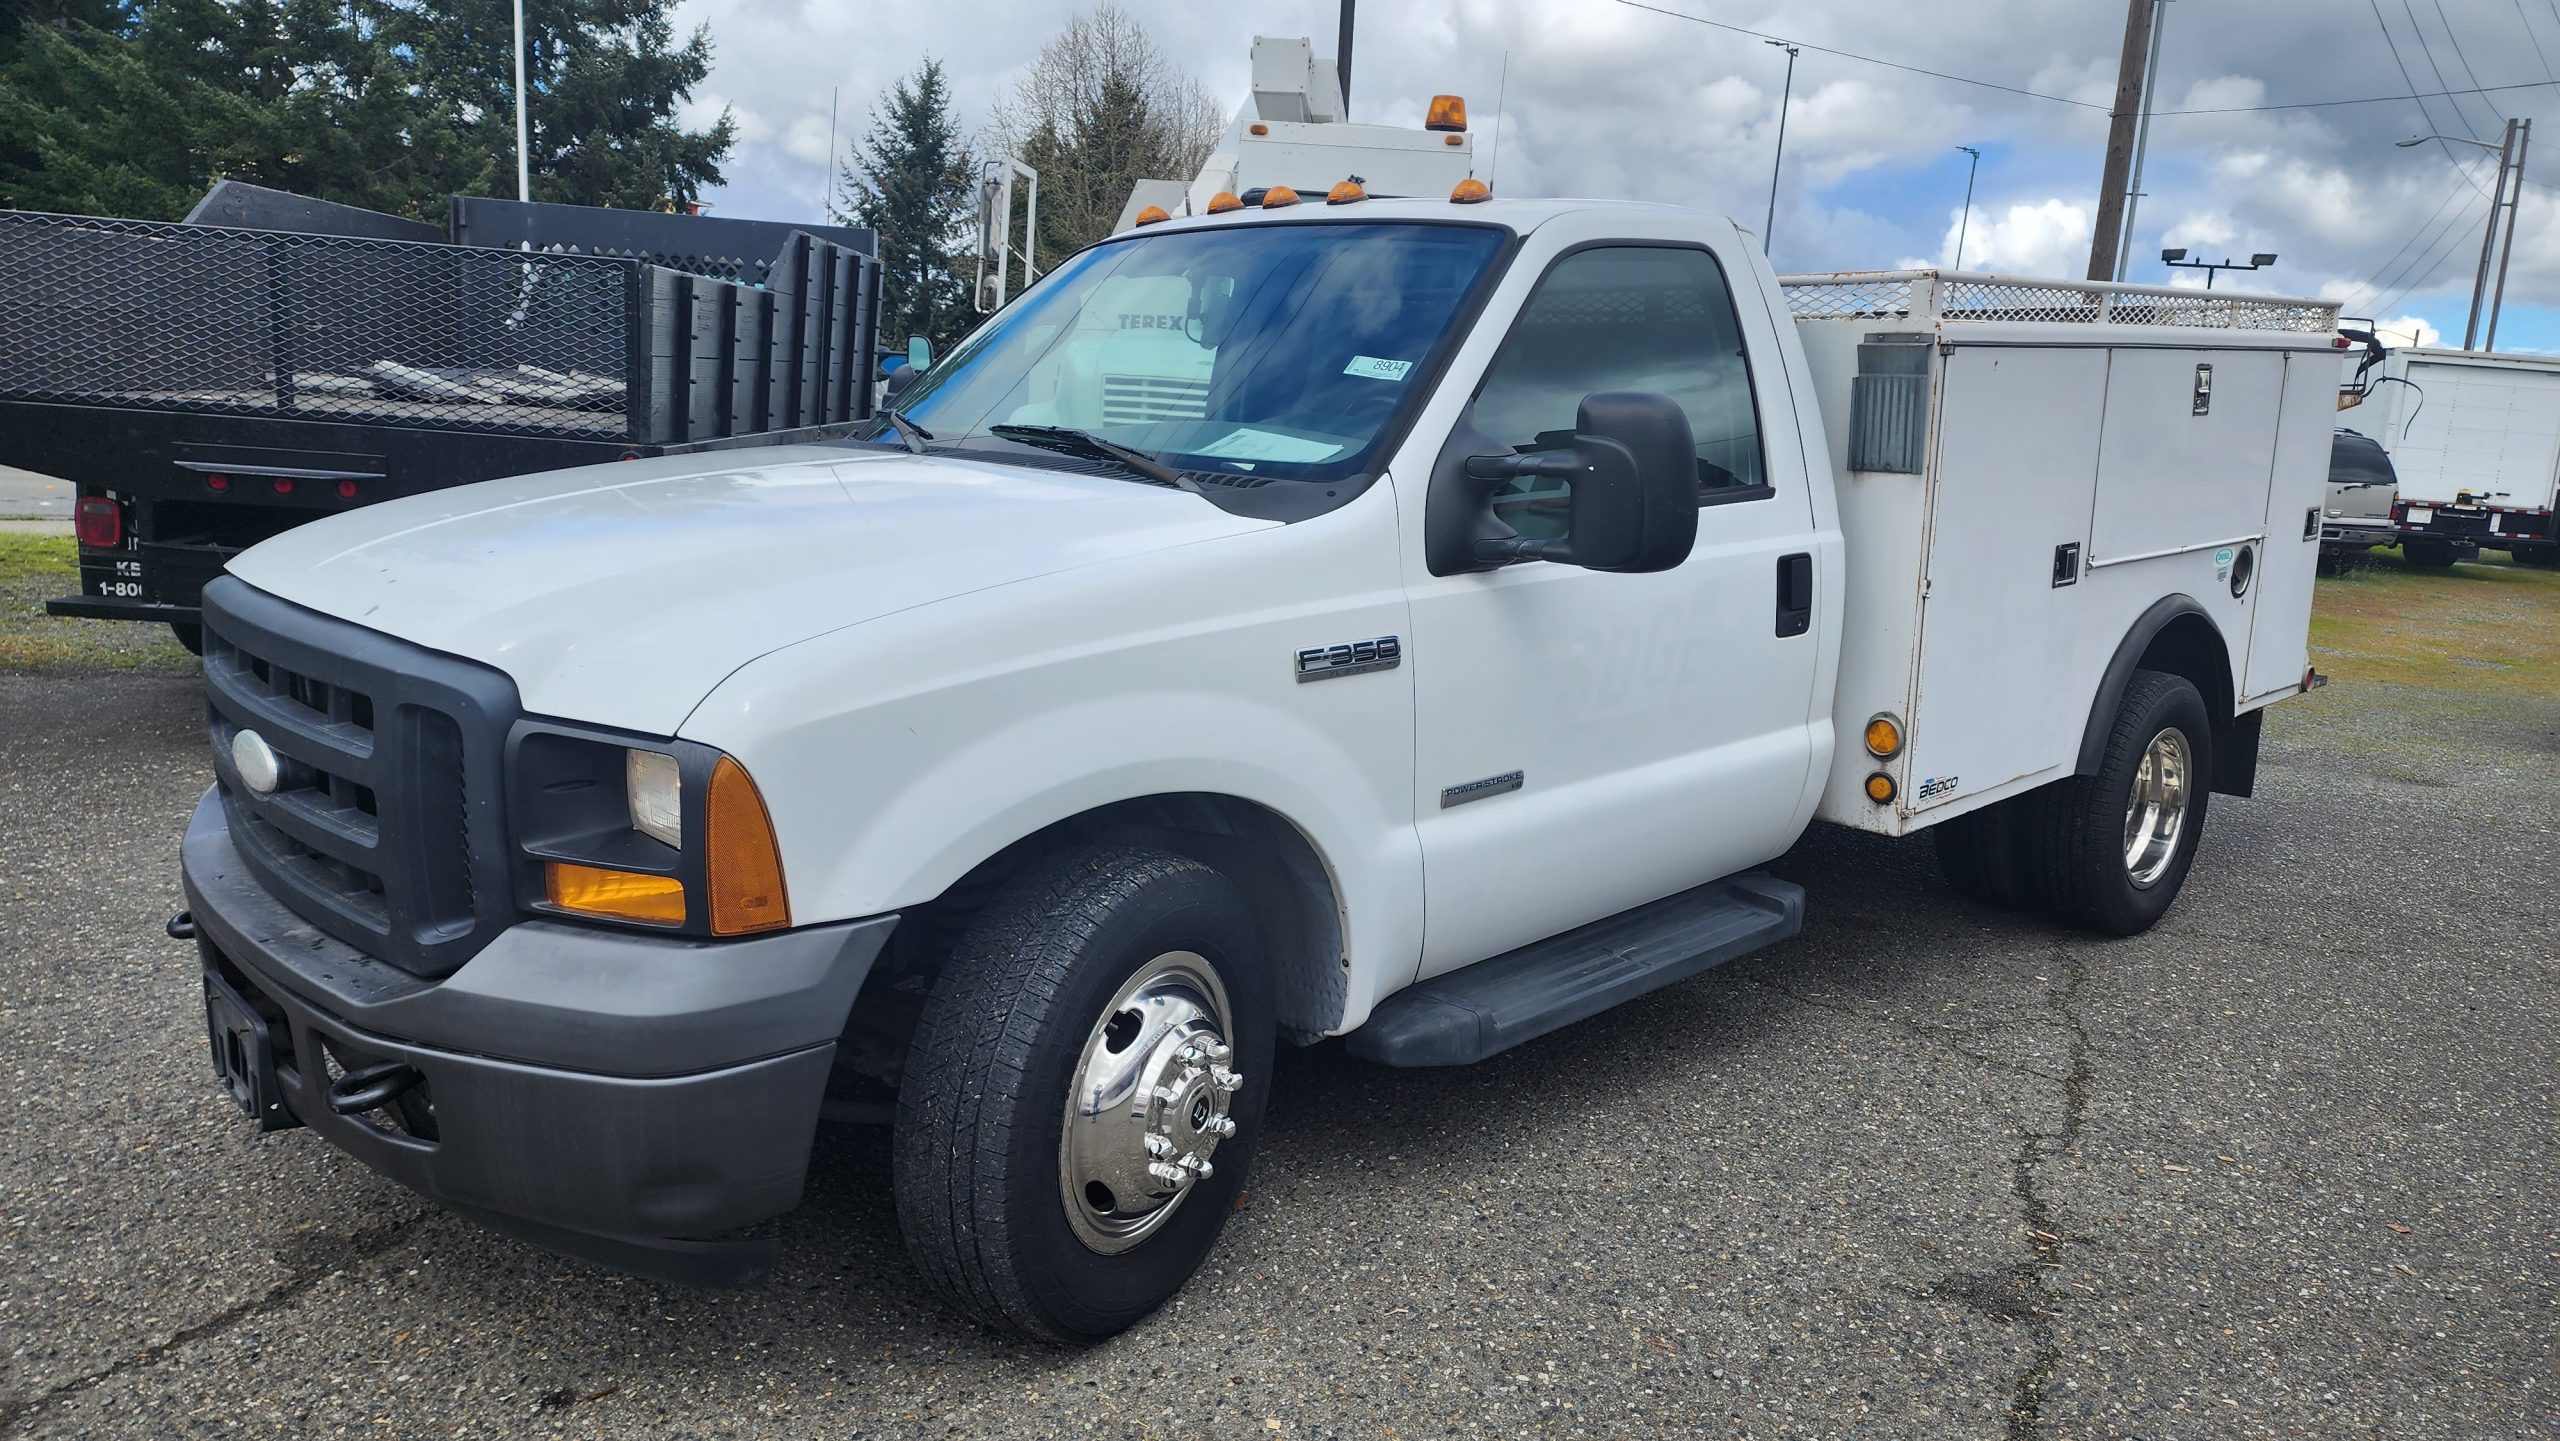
(683, 844)
(654, 786)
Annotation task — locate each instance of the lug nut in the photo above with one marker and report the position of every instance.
(1198, 1165)
(1169, 1173)
(1224, 1079)
(1221, 1126)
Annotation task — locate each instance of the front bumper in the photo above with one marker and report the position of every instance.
(602, 1093)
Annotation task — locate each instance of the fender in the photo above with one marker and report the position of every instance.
(2235, 752)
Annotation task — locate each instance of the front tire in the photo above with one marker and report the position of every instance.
(1085, 1092)
(2116, 846)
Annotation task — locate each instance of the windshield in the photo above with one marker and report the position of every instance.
(1284, 351)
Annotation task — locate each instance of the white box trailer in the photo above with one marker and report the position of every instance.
(2035, 478)
(2475, 439)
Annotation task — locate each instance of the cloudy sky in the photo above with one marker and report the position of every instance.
(1608, 99)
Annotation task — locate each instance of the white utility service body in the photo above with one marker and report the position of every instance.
(1437, 672)
(2474, 437)
(2083, 451)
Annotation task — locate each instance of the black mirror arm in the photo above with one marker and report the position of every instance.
(1512, 550)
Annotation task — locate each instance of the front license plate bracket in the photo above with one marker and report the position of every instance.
(244, 1056)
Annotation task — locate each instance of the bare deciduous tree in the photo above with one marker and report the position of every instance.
(1100, 109)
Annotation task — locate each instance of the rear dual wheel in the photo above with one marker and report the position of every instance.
(1084, 1093)
(2109, 851)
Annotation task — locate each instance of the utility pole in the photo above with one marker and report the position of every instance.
(1342, 53)
(2510, 159)
(1965, 225)
(2142, 141)
(1770, 225)
(2515, 197)
(2131, 68)
(524, 167)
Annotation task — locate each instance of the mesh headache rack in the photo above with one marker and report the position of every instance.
(1946, 297)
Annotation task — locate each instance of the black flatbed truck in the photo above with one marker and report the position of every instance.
(272, 359)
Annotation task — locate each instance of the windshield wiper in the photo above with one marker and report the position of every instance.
(909, 433)
(1071, 441)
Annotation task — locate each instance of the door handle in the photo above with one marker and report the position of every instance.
(1795, 594)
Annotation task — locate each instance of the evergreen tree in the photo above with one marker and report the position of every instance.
(120, 107)
(605, 79)
(911, 180)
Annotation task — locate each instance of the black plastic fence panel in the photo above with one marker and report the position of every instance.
(321, 327)
(710, 245)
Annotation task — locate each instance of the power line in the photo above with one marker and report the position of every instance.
(2412, 94)
(2377, 282)
(1868, 59)
(2527, 22)
(2424, 272)
(2393, 46)
(2421, 97)
(2464, 60)
(2429, 50)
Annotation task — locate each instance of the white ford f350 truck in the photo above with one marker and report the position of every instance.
(1409, 621)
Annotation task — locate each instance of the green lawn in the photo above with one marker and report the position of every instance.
(2487, 625)
(36, 568)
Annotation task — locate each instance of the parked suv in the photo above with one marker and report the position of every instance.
(2357, 514)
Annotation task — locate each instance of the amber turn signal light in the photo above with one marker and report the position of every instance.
(1470, 191)
(1884, 738)
(1448, 112)
(1880, 788)
(742, 863)
(1224, 201)
(620, 895)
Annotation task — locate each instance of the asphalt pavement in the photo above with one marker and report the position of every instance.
(2283, 1167)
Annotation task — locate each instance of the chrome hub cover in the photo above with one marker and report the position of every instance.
(2155, 815)
(1149, 1103)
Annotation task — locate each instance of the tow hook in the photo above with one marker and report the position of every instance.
(182, 926)
(372, 1087)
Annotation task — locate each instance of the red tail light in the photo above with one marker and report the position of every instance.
(99, 522)
(284, 485)
(346, 490)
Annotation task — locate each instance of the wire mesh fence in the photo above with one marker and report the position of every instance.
(187, 317)
(1896, 294)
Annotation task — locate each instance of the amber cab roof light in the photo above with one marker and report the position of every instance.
(1470, 191)
(1224, 201)
(1278, 196)
(1344, 192)
(1152, 214)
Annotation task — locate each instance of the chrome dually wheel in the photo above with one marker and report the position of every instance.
(2155, 814)
(1149, 1103)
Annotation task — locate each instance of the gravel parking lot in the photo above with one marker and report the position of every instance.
(2283, 1167)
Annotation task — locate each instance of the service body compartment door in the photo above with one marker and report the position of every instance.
(1999, 693)
(2187, 447)
(2280, 610)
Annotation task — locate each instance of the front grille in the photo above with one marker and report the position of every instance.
(385, 829)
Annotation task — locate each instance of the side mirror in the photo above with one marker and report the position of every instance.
(1633, 470)
(919, 354)
(900, 381)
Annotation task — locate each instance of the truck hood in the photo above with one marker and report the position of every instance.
(621, 594)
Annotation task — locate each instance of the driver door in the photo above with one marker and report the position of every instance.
(1587, 742)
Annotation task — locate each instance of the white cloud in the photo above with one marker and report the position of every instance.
(1605, 99)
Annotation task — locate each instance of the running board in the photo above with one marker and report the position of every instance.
(1476, 1011)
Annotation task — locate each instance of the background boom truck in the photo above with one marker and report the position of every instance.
(276, 359)
(2474, 438)
(1441, 669)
